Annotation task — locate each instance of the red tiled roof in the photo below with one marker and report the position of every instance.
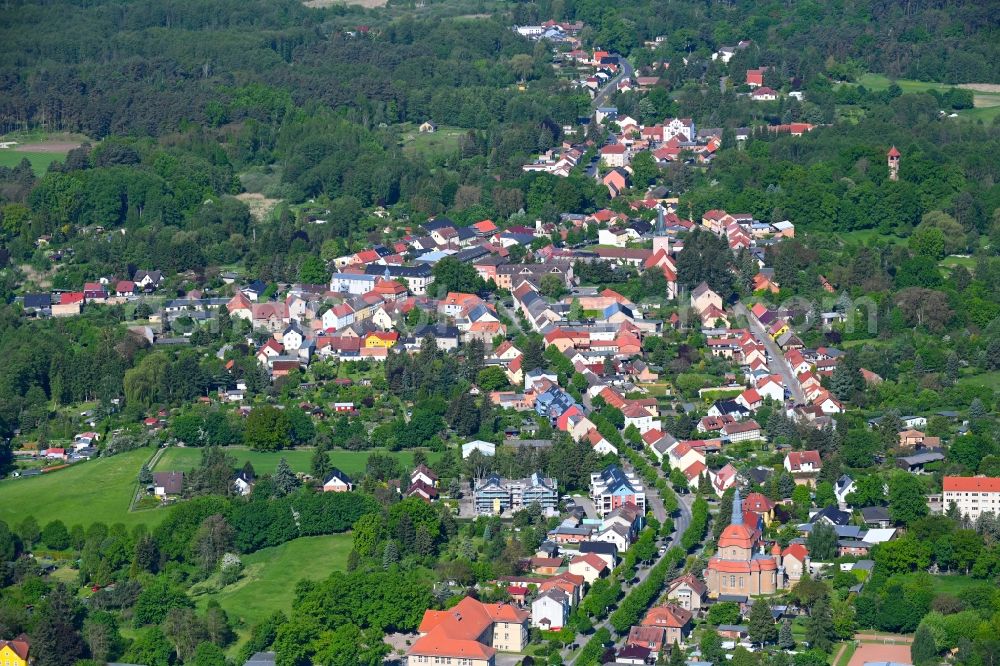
(667, 615)
(982, 484)
(20, 645)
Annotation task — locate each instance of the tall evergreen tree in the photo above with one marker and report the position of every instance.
(820, 631)
(786, 640)
(760, 624)
(320, 464)
(284, 479)
(390, 555)
(923, 650)
(56, 639)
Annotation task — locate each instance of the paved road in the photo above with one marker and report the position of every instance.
(776, 360)
(605, 93)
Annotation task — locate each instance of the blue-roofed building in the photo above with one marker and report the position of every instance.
(553, 403)
(616, 312)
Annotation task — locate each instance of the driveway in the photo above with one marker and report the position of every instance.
(587, 504)
(776, 360)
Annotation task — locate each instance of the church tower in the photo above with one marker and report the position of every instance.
(661, 241)
(893, 157)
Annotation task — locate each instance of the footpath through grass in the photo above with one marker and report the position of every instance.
(97, 490)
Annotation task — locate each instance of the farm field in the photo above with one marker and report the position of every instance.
(94, 491)
(264, 462)
(269, 576)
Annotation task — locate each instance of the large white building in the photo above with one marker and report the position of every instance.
(972, 495)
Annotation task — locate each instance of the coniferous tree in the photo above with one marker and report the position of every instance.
(760, 624)
(284, 480)
(677, 657)
(725, 509)
(390, 555)
(923, 650)
(320, 464)
(819, 627)
(786, 641)
(56, 639)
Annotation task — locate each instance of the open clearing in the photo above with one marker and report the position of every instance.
(259, 205)
(264, 462)
(442, 142)
(40, 159)
(39, 148)
(93, 491)
(269, 576)
(986, 99)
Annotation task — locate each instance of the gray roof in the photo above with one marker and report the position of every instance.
(262, 659)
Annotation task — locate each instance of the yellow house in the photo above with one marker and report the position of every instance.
(381, 339)
(779, 330)
(15, 652)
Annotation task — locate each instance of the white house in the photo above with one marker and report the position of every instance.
(243, 483)
(590, 566)
(550, 610)
(843, 488)
(292, 337)
(337, 482)
(769, 387)
(352, 283)
(338, 317)
(615, 534)
(640, 417)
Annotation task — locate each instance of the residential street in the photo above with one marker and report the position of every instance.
(681, 522)
(605, 93)
(776, 360)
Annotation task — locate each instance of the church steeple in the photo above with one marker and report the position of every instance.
(737, 518)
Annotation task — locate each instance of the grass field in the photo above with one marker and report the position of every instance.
(269, 577)
(986, 96)
(990, 379)
(88, 492)
(867, 235)
(441, 143)
(351, 462)
(40, 161)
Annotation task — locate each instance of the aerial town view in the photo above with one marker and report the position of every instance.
(500, 333)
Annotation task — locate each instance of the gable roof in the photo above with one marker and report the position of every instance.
(20, 645)
(337, 474)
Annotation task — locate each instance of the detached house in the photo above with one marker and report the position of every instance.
(804, 465)
(687, 592)
(337, 482)
(674, 619)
